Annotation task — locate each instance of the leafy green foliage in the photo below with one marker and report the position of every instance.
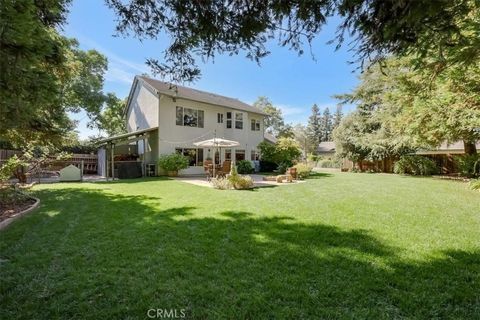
(43, 74)
(468, 165)
(314, 127)
(329, 163)
(284, 152)
(111, 120)
(173, 162)
(274, 123)
(287, 150)
(475, 184)
(238, 181)
(8, 168)
(438, 33)
(303, 170)
(415, 165)
(244, 167)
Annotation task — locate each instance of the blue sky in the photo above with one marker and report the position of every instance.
(291, 82)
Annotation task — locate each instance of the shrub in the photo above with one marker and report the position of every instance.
(267, 166)
(285, 150)
(475, 184)
(10, 196)
(416, 165)
(328, 164)
(303, 170)
(7, 169)
(282, 167)
(244, 182)
(244, 166)
(221, 183)
(173, 162)
(240, 182)
(468, 165)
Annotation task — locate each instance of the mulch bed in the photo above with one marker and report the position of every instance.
(8, 210)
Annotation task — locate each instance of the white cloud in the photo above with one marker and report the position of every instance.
(118, 74)
(289, 110)
(120, 70)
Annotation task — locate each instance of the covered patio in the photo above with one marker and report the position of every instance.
(128, 155)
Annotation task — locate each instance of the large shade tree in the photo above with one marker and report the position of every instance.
(445, 30)
(43, 74)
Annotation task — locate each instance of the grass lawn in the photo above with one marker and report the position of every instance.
(338, 246)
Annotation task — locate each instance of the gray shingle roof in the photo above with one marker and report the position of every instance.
(197, 95)
(326, 146)
(445, 148)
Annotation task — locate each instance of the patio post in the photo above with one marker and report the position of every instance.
(113, 161)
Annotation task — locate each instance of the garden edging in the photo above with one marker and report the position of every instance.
(20, 214)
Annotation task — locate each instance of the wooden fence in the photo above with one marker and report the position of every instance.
(90, 161)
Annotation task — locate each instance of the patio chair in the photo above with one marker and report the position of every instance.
(225, 169)
(208, 166)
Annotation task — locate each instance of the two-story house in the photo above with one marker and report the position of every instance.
(166, 118)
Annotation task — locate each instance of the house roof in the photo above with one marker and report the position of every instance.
(269, 137)
(445, 148)
(326, 146)
(177, 91)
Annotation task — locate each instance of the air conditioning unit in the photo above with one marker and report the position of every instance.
(151, 170)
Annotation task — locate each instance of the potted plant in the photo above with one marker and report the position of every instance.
(172, 163)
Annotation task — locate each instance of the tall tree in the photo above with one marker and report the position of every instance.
(43, 74)
(111, 120)
(327, 125)
(274, 123)
(337, 116)
(444, 30)
(314, 126)
(301, 135)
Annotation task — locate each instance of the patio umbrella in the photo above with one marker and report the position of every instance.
(216, 143)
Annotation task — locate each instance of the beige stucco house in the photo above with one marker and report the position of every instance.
(163, 118)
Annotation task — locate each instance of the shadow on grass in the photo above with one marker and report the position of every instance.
(103, 255)
(319, 175)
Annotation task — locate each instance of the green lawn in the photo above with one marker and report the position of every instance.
(338, 246)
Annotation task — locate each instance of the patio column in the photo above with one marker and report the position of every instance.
(106, 161)
(113, 160)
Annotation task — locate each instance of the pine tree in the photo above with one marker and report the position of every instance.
(327, 125)
(314, 126)
(337, 117)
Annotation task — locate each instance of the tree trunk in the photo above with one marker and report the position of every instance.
(469, 147)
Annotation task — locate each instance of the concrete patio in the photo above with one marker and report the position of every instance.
(201, 180)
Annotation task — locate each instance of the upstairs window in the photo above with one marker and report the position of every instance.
(255, 125)
(238, 120)
(219, 117)
(188, 117)
(229, 120)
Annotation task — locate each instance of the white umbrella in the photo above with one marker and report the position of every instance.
(216, 143)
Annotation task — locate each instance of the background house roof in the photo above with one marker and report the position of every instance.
(177, 91)
(445, 148)
(270, 138)
(326, 146)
